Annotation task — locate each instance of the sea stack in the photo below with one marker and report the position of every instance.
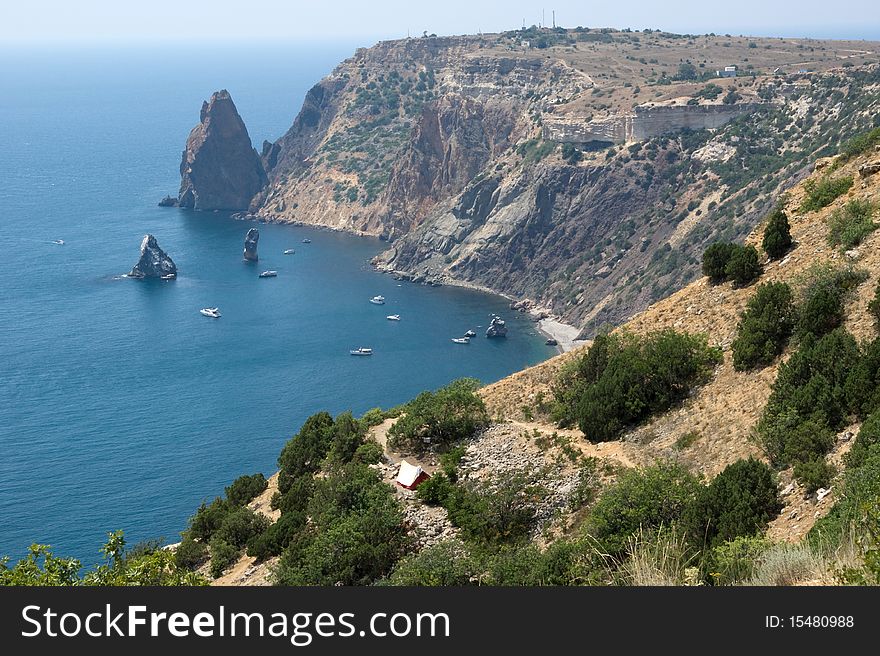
(250, 245)
(154, 262)
(220, 169)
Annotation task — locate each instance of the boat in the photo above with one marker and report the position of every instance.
(461, 340)
(551, 342)
(497, 327)
(393, 317)
(169, 276)
(378, 300)
(470, 333)
(289, 251)
(361, 351)
(307, 241)
(214, 313)
(60, 242)
(268, 274)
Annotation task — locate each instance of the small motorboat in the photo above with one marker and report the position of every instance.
(169, 276)
(470, 333)
(289, 251)
(60, 242)
(378, 300)
(307, 241)
(268, 274)
(213, 312)
(461, 340)
(361, 351)
(393, 317)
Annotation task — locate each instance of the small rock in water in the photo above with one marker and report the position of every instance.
(250, 245)
(154, 262)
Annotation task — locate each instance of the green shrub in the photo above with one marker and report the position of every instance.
(824, 192)
(355, 534)
(850, 225)
(304, 452)
(245, 489)
(624, 379)
(645, 499)
(368, 453)
(715, 259)
(346, 436)
(189, 553)
(239, 526)
(208, 518)
(808, 402)
(764, 327)
(859, 144)
(777, 235)
(437, 419)
(825, 292)
(869, 435)
(501, 513)
(846, 520)
(436, 490)
(446, 563)
(863, 383)
(736, 561)
(275, 539)
(223, 555)
(814, 474)
(740, 501)
(744, 265)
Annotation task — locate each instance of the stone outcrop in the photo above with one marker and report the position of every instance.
(250, 245)
(645, 122)
(154, 262)
(220, 169)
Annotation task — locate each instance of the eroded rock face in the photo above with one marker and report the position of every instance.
(154, 262)
(250, 245)
(220, 169)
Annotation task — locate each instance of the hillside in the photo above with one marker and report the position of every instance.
(582, 169)
(706, 434)
(723, 413)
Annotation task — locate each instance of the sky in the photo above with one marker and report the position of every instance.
(366, 21)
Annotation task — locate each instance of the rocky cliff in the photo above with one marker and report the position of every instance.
(445, 147)
(220, 170)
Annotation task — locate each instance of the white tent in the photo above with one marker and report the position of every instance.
(410, 475)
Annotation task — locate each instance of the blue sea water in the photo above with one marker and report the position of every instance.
(120, 405)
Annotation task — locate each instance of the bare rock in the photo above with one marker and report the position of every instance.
(250, 245)
(220, 169)
(154, 262)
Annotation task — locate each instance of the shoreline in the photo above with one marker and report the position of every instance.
(546, 323)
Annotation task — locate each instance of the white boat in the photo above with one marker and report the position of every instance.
(393, 317)
(289, 251)
(378, 300)
(361, 351)
(461, 340)
(470, 333)
(60, 242)
(268, 274)
(214, 313)
(169, 276)
(307, 241)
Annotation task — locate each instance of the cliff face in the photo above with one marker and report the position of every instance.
(220, 170)
(447, 148)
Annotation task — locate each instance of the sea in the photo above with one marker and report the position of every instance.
(121, 406)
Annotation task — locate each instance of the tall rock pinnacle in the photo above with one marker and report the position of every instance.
(220, 169)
